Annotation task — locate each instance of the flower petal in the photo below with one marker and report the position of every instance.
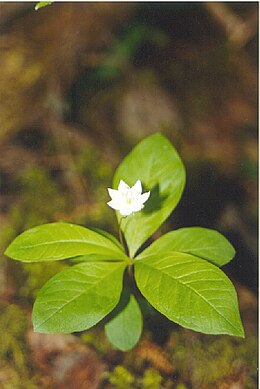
(144, 197)
(136, 190)
(123, 187)
(114, 204)
(137, 206)
(126, 210)
(114, 194)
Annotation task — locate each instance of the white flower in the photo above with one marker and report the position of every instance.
(127, 200)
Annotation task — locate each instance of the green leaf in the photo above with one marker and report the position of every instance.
(157, 164)
(42, 4)
(98, 257)
(78, 298)
(190, 291)
(55, 241)
(125, 328)
(201, 242)
(108, 236)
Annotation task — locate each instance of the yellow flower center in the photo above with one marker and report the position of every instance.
(129, 200)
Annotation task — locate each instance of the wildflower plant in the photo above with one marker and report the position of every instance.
(179, 273)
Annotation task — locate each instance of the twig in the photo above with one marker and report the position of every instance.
(239, 32)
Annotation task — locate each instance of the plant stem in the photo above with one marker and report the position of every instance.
(121, 237)
(120, 234)
(130, 273)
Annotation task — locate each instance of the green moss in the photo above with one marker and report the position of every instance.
(34, 276)
(121, 378)
(96, 338)
(152, 379)
(16, 366)
(206, 361)
(40, 199)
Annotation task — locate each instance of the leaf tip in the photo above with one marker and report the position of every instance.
(36, 329)
(8, 251)
(36, 326)
(241, 333)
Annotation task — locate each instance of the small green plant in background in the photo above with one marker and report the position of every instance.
(179, 273)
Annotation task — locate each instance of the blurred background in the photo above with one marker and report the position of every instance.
(80, 85)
